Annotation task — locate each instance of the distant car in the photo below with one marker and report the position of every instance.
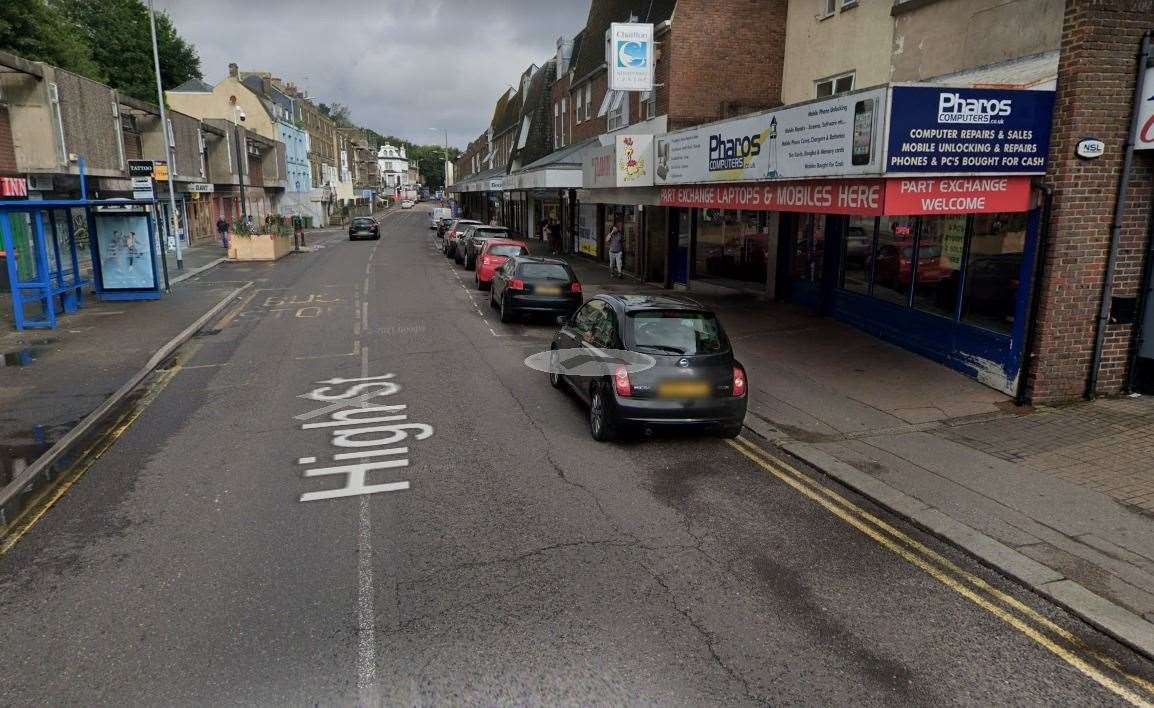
(407, 204)
(531, 285)
(443, 226)
(364, 227)
(493, 255)
(437, 214)
(695, 380)
(469, 248)
(453, 233)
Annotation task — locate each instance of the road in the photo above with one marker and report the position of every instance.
(504, 557)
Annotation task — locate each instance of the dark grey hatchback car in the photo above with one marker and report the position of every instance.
(693, 381)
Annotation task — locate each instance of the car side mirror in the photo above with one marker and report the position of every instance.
(562, 320)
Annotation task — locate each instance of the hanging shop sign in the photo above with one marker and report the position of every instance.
(160, 171)
(201, 188)
(833, 137)
(140, 168)
(13, 187)
(862, 197)
(968, 130)
(142, 188)
(629, 56)
(1144, 128)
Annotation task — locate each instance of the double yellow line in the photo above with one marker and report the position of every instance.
(1101, 668)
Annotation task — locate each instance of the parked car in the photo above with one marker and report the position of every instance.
(493, 254)
(443, 226)
(470, 247)
(437, 214)
(407, 204)
(364, 227)
(895, 265)
(531, 285)
(695, 380)
(455, 231)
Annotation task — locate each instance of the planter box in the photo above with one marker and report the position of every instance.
(261, 247)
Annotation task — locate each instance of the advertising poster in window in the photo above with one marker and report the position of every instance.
(587, 229)
(833, 137)
(125, 258)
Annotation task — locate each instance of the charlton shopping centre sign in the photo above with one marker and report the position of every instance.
(890, 150)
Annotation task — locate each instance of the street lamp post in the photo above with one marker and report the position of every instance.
(445, 153)
(167, 139)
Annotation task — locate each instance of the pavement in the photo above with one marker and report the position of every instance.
(251, 538)
(1059, 498)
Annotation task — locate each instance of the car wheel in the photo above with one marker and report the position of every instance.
(506, 313)
(554, 377)
(492, 302)
(377, 237)
(730, 431)
(600, 422)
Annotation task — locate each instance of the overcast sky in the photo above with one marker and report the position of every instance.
(402, 66)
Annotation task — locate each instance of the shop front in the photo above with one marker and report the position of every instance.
(618, 192)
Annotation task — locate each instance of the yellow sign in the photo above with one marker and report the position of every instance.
(160, 171)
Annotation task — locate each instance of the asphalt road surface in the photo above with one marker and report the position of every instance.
(503, 556)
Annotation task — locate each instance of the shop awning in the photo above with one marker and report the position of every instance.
(560, 169)
(484, 181)
(1034, 72)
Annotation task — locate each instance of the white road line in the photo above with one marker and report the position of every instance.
(365, 317)
(366, 617)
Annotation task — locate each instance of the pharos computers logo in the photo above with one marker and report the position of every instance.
(953, 108)
(631, 54)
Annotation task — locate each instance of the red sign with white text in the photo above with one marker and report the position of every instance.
(957, 195)
(824, 196)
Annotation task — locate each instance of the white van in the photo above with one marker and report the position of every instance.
(438, 214)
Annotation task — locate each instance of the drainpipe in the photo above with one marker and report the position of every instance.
(1035, 280)
(1116, 223)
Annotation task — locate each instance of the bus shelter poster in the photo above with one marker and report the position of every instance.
(125, 258)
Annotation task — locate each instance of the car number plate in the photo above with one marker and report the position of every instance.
(683, 389)
(548, 290)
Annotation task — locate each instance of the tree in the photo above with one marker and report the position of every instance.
(338, 113)
(119, 38)
(38, 31)
(431, 160)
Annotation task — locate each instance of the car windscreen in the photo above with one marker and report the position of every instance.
(675, 332)
(503, 250)
(543, 271)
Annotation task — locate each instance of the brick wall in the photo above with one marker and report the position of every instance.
(7, 148)
(1096, 75)
(730, 50)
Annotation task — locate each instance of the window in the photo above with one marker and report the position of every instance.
(579, 107)
(588, 101)
(940, 242)
(648, 104)
(556, 126)
(826, 8)
(893, 274)
(858, 255)
(685, 332)
(993, 266)
(732, 244)
(618, 111)
(834, 85)
(808, 258)
(564, 112)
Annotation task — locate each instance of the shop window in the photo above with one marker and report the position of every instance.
(992, 270)
(893, 272)
(940, 244)
(710, 242)
(809, 248)
(858, 254)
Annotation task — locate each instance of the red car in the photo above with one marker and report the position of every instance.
(493, 254)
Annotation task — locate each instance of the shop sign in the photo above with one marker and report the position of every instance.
(833, 137)
(968, 130)
(587, 229)
(142, 188)
(160, 171)
(1144, 128)
(496, 184)
(957, 195)
(201, 188)
(13, 187)
(1089, 148)
(953, 240)
(140, 168)
(863, 197)
(600, 167)
(629, 56)
(628, 162)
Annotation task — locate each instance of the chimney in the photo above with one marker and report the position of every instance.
(266, 84)
(234, 70)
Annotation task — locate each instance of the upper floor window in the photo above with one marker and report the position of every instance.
(578, 107)
(556, 126)
(648, 104)
(589, 100)
(618, 111)
(564, 112)
(834, 85)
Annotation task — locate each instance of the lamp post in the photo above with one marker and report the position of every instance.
(241, 156)
(445, 153)
(167, 138)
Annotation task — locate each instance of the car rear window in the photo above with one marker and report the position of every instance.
(507, 251)
(491, 233)
(674, 332)
(362, 222)
(543, 271)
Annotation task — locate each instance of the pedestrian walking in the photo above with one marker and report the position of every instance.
(222, 230)
(615, 240)
(554, 231)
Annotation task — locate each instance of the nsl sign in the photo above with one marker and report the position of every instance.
(629, 56)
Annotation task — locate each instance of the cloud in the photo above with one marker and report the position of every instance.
(402, 66)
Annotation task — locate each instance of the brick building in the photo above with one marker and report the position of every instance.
(1096, 82)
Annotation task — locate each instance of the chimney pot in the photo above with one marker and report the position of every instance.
(233, 70)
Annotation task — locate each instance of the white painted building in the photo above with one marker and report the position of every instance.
(393, 165)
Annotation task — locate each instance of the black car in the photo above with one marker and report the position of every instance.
(529, 285)
(364, 227)
(469, 248)
(694, 379)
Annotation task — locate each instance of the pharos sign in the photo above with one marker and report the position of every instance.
(629, 56)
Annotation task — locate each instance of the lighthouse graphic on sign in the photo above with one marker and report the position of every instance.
(771, 148)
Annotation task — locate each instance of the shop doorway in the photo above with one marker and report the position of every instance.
(680, 245)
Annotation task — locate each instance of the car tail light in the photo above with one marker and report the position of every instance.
(738, 380)
(575, 287)
(621, 383)
(516, 284)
